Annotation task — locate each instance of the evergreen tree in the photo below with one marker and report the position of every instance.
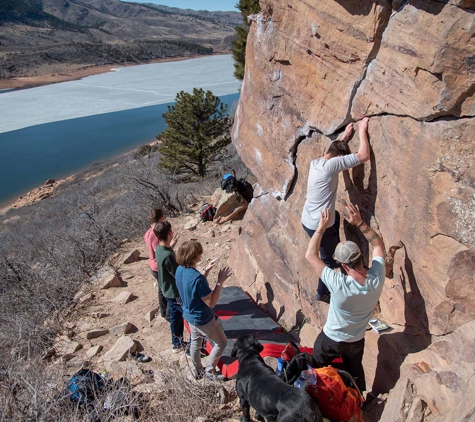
(198, 130)
(247, 7)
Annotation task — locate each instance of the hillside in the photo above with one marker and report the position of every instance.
(53, 36)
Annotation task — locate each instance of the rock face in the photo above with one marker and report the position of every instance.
(437, 382)
(312, 67)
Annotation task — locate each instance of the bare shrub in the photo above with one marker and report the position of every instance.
(182, 398)
(32, 391)
(50, 248)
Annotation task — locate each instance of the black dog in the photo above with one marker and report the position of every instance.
(259, 386)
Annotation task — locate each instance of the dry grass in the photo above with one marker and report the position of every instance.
(34, 392)
(49, 249)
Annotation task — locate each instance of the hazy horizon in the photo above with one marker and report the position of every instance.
(209, 5)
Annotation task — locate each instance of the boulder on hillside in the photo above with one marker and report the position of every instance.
(65, 346)
(150, 315)
(124, 297)
(94, 351)
(131, 257)
(99, 315)
(129, 370)
(227, 203)
(121, 349)
(106, 278)
(86, 297)
(96, 333)
(192, 224)
(120, 330)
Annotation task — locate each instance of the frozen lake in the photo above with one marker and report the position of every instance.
(123, 89)
(56, 130)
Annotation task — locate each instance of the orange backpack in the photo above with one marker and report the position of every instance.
(335, 400)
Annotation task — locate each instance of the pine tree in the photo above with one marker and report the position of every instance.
(198, 130)
(247, 7)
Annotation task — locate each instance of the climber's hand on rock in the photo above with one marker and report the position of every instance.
(363, 126)
(347, 133)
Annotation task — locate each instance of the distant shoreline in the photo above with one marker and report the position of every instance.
(26, 82)
(33, 195)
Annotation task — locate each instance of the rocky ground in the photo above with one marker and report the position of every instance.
(117, 314)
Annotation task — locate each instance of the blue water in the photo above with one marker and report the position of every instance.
(30, 156)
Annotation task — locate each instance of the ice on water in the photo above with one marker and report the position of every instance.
(123, 89)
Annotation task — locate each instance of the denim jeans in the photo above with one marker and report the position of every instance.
(176, 320)
(330, 240)
(325, 350)
(214, 331)
(164, 311)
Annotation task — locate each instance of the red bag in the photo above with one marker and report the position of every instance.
(207, 212)
(335, 400)
(290, 351)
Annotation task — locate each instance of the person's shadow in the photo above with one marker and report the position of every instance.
(393, 348)
(269, 306)
(365, 198)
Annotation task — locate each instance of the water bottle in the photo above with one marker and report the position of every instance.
(280, 367)
(306, 378)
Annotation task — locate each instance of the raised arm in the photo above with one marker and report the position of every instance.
(213, 297)
(363, 153)
(313, 249)
(371, 236)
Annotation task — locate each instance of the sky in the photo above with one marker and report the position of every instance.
(211, 5)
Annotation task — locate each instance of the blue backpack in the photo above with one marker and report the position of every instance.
(228, 183)
(84, 386)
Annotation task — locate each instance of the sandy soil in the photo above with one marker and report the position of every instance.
(72, 74)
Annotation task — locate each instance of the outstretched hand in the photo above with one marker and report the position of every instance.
(354, 214)
(324, 220)
(211, 264)
(224, 274)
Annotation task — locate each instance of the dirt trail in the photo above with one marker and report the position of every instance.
(153, 338)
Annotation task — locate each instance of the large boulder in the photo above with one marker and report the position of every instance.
(312, 67)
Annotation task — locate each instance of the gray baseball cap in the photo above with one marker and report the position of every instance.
(347, 252)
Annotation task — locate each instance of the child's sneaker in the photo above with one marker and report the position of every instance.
(177, 348)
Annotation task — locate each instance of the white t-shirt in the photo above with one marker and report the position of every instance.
(322, 187)
(351, 304)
